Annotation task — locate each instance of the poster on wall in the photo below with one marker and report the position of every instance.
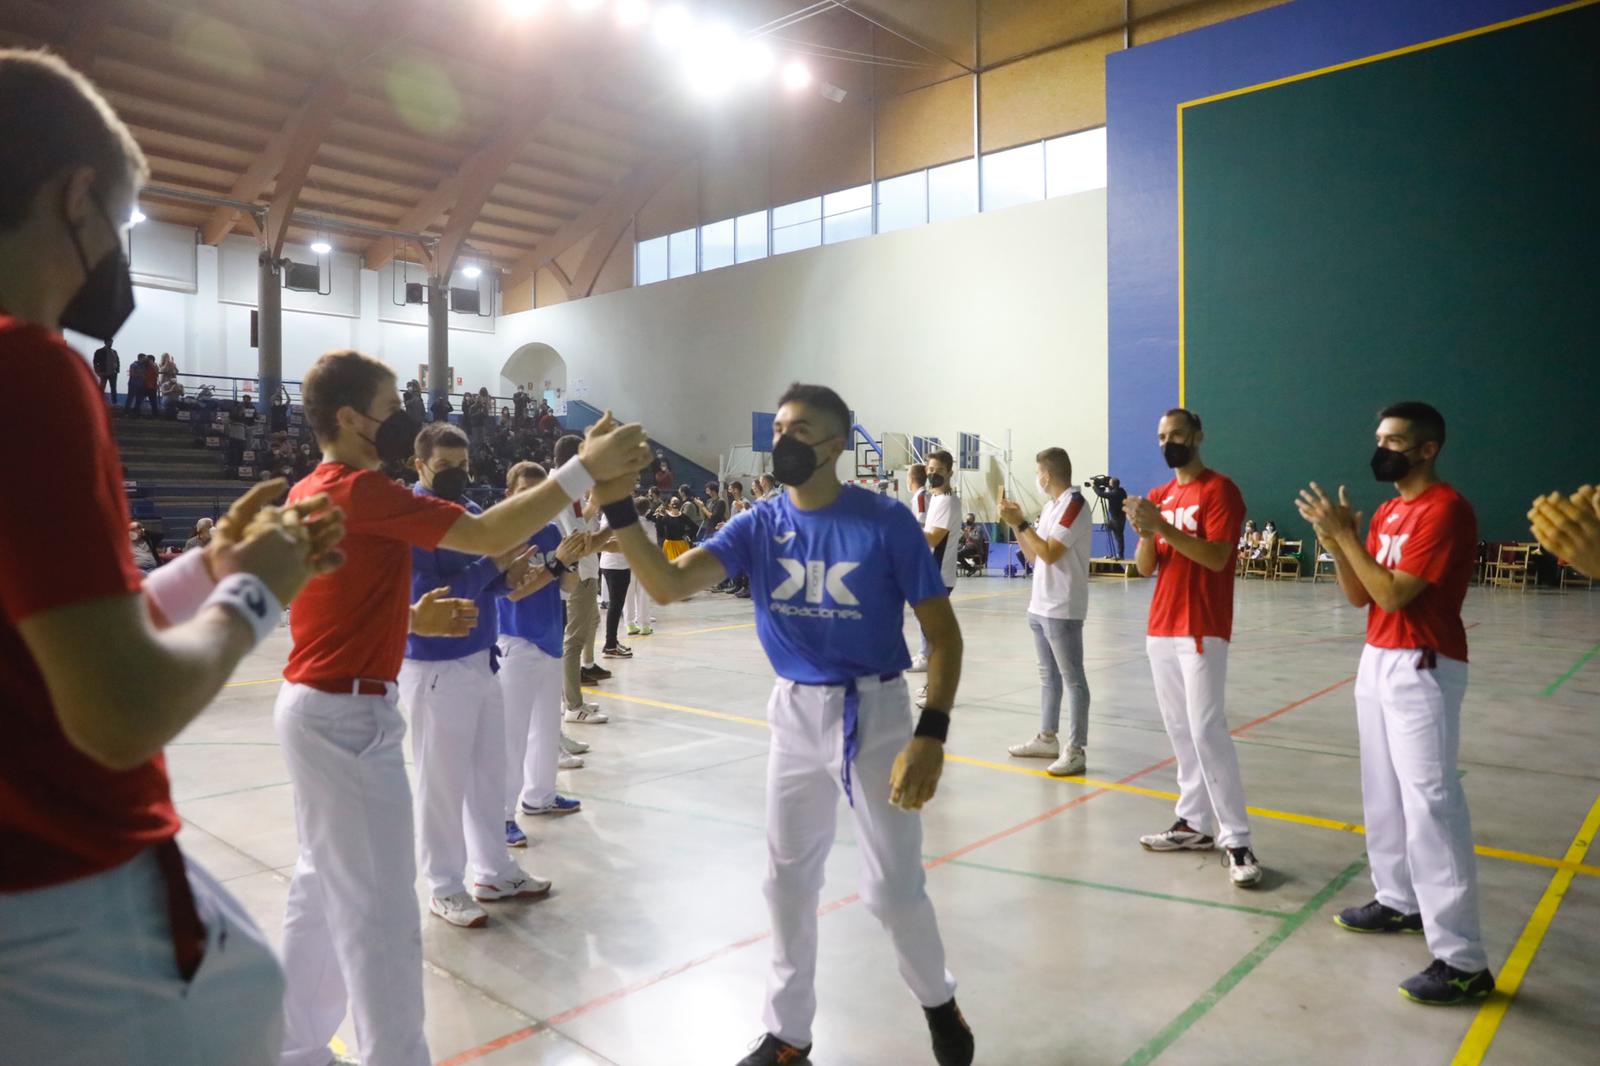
(449, 376)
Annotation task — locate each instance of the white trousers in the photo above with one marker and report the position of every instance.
(803, 791)
(1190, 691)
(351, 924)
(458, 750)
(531, 683)
(1419, 833)
(87, 976)
(636, 610)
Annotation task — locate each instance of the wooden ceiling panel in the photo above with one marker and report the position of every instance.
(397, 169)
(36, 20)
(546, 174)
(178, 146)
(497, 214)
(510, 197)
(151, 83)
(213, 129)
(240, 36)
(190, 67)
(190, 174)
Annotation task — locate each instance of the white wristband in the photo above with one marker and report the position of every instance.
(574, 478)
(248, 597)
(178, 589)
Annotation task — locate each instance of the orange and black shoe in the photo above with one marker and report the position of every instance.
(774, 1052)
(952, 1036)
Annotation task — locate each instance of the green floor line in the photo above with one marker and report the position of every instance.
(1564, 678)
(1124, 890)
(1242, 969)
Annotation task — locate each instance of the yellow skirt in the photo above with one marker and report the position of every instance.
(674, 548)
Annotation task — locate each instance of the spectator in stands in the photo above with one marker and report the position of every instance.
(202, 535)
(413, 400)
(244, 412)
(278, 418)
(548, 423)
(152, 384)
(106, 367)
(442, 408)
(1248, 538)
(714, 511)
(171, 393)
(306, 461)
(520, 400)
(673, 527)
(144, 554)
(168, 370)
(767, 487)
(505, 417)
(974, 549)
(135, 385)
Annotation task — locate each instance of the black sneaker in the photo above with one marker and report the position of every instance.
(1442, 985)
(952, 1037)
(1377, 918)
(774, 1052)
(594, 673)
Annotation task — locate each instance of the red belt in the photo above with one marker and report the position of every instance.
(188, 932)
(354, 686)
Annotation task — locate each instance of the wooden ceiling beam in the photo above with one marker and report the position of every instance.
(632, 193)
(89, 22)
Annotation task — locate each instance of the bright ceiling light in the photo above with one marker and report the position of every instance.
(673, 25)
(756, 59)
(521, 8)
(321, 247)
(136, 218)
(631, 13)
(584, 6)
(472, 272)
(796, 75)
(712, 60)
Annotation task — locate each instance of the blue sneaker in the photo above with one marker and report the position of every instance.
(515, 837)
(558, 804)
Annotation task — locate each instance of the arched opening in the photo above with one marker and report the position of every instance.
(540, 370)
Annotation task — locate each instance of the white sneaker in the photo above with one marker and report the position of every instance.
(919, 665)
(1244, 869)
(459, 910)
(570, 762)
(573, 747)
(1042, 746)
(1181, 837)
(1070, 764)
(922, 697)
(586, 714)
(521, 886)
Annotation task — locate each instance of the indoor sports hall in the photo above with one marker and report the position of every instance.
(1058, 418)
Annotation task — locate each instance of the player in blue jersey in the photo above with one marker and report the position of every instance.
(831, 569)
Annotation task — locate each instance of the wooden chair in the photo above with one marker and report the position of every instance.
(1322, 566)
(1263, 565)
(1286, 564)
(1512, 565)
(1571, 575)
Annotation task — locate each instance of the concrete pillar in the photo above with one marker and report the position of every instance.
(269, 331)
(439, 381)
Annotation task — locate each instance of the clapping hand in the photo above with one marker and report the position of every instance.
(439, 615)
(1569, 527)
(610, 451)
(1330, 520)
(1144, 515)
(1010, 511)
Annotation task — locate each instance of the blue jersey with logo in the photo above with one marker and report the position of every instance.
(830, 586)
(468, 577)
(538, 618)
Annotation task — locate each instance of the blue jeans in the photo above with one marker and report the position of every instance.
(1058, 644)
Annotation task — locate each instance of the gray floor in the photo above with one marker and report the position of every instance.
(1071, 944)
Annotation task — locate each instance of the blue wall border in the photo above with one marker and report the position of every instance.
(1144, 87)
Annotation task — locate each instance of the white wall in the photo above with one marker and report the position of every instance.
(978, 324)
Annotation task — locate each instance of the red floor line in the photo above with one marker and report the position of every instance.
(827, 908)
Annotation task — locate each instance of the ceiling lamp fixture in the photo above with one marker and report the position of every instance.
(473, 272)
(796, 75)
(631, 13)
(521, 8)
(321, 247)
(673, 25)
(756, 59)
(137, 217)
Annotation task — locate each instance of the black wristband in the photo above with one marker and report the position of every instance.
(621, 514)
(556, 567)
(1026, 525)
(933, 723)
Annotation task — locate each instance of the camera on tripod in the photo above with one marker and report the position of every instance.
(1101, 483)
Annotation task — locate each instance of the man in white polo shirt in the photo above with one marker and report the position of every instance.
(1059, 551)
(942, 528)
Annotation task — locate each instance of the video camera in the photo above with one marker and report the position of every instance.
(1101, 483)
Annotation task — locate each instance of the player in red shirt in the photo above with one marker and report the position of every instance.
(1412, 576)
(1188, 537)
(104, 924)
(351, 924)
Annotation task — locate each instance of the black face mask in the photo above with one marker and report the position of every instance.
(1176, 453)
(397, 436)
(936, 481)
(105, 301)
(450, 483)
(1390, 465)
(793, 461)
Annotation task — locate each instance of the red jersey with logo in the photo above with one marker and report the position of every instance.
(1434, 537)
(1191, 601)
(352, 623)
(64, 541)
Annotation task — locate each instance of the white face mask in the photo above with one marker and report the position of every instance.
(1044, 485)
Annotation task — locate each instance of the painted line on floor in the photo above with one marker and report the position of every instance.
(1493, 1011)
(1242, 969)
(1269, 716)
(258, 681)
(1568, 676)
(1126, 786)
(697, 632)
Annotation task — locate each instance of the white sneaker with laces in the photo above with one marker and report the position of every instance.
(573, 747)
(586, 714)
(522, 885)
(919, 665)
(1244, 869)
(570, 762)
(1071, 763)
(1181, 837)
(459, 910)
(1042, 746)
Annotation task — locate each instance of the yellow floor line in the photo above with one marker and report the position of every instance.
(697, 632)
(1487, 1022)
(259, 681)
(1567, 865)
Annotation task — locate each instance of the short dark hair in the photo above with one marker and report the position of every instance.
(944, 457)
(567, 447)
(526, 468)
(916, 472)
(1426, 421)
(1193, 419)
(439, 435)
(823, 399)
(53, 119)
(735, 485)
(1058, 462)
(343, 378)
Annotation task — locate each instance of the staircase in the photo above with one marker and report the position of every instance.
(174, 480)
(581, 415)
